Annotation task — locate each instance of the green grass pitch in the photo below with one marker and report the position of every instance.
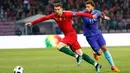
(52, 61)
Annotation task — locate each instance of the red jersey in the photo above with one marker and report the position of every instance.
(64, 21)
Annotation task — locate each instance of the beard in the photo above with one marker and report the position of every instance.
(91, 11)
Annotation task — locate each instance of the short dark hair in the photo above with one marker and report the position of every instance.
(57, 4)
(90, 2)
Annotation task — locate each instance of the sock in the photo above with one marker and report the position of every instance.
(95, 64)
(109, 58)
(67, 51)
(88, 59)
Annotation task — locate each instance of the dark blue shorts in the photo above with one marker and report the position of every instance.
(96, 42)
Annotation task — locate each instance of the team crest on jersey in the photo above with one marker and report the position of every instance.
(64, 18)
(60, 19)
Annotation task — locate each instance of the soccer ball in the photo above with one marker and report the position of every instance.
(18, 69)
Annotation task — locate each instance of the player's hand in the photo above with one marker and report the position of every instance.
(95, 16)
(103, 15)
(107, 18)
(28, 24)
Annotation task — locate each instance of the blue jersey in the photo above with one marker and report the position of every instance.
(90, 26)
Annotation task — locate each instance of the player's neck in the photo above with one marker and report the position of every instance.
(61, 13)
(92, 11)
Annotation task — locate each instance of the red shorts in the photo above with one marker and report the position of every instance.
(71, 40)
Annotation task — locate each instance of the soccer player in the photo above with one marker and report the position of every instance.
(93, 34)
(64, 21)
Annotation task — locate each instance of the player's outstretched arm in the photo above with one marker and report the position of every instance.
(40, 19)
(70, 14)
(86, 14)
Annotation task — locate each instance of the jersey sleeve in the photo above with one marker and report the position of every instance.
(85, 11)
(43, 18)
(82, 14)
(71, 14)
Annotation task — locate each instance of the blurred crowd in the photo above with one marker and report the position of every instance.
(18, 9)
(117, 10)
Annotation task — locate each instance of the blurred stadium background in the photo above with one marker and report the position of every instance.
(15, 13)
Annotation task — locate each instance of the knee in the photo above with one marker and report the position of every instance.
(60, 45)
(104, 49)
(79, 52)
(99, 52)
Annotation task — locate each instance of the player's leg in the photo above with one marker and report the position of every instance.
(107, 54)
(94, 45)
(97, 54)
(62, 47)
(79, 58)
(64, 43)
(70, 40)
(76, 47)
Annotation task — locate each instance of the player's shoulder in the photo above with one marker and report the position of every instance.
(84, 11)
(97, 11)
(67, 12)
(54, 13)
